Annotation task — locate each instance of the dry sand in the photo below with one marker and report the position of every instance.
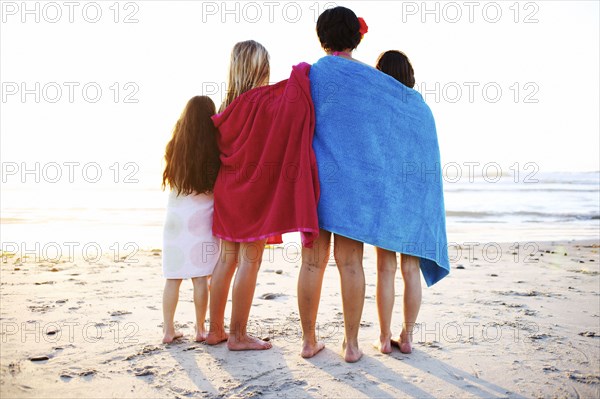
(522, 326)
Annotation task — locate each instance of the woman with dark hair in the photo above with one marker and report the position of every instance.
(340, 32)
(396, 64)
(379, 174)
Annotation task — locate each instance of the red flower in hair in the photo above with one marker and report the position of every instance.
(363, 27)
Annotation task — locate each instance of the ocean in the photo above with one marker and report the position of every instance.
(120, 217)
(549, 206)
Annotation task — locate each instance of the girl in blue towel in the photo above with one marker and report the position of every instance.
(397, 65)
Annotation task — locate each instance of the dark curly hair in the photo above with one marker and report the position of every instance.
(396, 64)
(338, 29)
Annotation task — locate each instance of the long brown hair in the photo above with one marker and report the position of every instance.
(249, 68)
(192, 155)
(396, 64)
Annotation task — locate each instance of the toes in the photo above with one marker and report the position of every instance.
(267, 345)
(248, 343)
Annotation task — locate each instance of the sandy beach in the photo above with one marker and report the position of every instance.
(521, 323)
(488, 141)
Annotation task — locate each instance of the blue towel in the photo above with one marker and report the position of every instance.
(379, 163)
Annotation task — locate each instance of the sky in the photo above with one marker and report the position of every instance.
(102, 83)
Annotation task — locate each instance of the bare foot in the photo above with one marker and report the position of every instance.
(309, 349)
(352, 353)
(404, 343)
(171, 336)
(384, 344)
(405, 347)
(201, 336)
(247, 343)
(216, 337)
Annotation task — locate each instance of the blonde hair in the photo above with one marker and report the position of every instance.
(248, 69)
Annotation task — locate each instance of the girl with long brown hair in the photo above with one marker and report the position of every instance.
(189, 248)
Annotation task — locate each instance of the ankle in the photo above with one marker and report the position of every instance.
(169, 329)
(309, 339)
(216, 327)
(385, 334)
(406, 336)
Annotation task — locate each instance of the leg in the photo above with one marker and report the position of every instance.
(411, 273)
(348, 256)
(200, 303)
(310, 281)
(221, 281)
(170, 298)
(243, 293)
(386, 275)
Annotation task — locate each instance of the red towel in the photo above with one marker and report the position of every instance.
(268, 183)
(278, 239)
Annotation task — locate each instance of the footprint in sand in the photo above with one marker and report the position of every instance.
(144, 351)
(431, 344)
(119, 313)
(14, 368)
(40, 308)
(584, 378)
(529, 312)
(66, 375)
(143, 371)
(539, 336)
(270, 296)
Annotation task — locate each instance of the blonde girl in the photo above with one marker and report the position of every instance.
(249, 69)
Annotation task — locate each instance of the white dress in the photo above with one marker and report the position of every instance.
(189, 247)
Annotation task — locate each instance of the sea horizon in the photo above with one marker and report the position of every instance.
(551, 206)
